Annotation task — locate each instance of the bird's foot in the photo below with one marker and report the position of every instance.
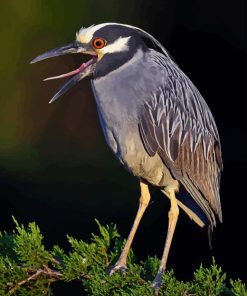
(157, 282)
(117, 267)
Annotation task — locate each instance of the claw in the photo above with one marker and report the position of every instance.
(157, 283)
(117, 267)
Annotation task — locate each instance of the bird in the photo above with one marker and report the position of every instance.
(154, 120)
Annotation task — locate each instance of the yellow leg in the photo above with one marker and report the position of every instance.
(173, 217)
(143, 203)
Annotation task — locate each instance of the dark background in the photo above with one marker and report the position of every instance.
(55, 167)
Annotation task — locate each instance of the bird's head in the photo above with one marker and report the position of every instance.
(110, 44)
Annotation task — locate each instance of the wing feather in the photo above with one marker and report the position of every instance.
(177, 124)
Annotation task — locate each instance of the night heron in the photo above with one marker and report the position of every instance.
(155, 121)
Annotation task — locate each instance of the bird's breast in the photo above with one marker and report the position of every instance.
(121, 131)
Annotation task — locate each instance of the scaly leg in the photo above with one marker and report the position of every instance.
(143, 203)
(173, 217)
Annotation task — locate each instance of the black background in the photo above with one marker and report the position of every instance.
(77, 178)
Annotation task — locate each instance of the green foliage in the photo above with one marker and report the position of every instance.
(238, 288)
(209, 281)
(173, 287)
(27, 245)
(28, 268)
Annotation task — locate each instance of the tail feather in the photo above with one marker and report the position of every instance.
(199, 200)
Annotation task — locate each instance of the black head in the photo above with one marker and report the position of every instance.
(121, 42)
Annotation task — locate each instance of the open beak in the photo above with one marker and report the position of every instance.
(86, 69)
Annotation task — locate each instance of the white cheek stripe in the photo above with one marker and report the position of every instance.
(121, 44)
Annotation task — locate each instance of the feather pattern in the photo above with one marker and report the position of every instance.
(176, 123)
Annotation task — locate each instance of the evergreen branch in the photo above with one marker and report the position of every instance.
(28, 268)
(52, 275)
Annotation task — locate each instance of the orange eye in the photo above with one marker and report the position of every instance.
(98, 43)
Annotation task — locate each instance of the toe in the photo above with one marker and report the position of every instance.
(117, 267)
(157, 283)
